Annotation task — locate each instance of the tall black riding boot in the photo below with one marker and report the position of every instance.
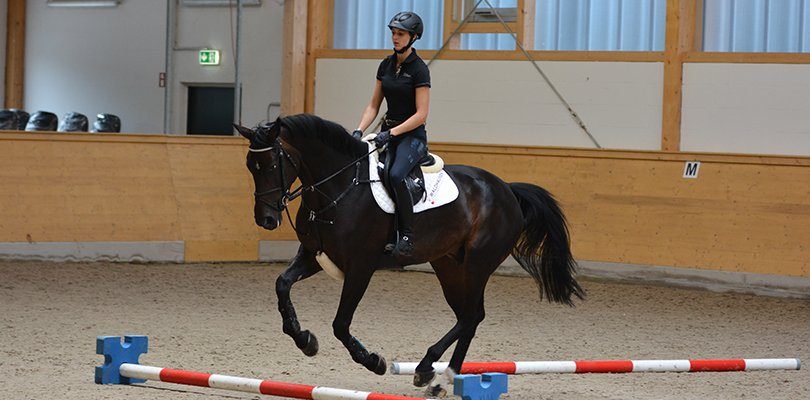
(404, 245)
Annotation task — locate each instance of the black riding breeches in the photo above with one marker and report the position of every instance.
(407, 153)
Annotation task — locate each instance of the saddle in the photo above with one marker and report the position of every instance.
(415, 181)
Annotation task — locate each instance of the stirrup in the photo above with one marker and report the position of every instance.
(404, 246)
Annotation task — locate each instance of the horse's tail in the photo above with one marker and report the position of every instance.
(543, 249)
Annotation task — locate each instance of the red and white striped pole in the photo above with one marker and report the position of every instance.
(249, 385)
(611, 366)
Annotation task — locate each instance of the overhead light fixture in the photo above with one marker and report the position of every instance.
(219, 3)
(84, 3)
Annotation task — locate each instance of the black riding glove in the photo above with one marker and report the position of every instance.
(382, 138)
(357, 134)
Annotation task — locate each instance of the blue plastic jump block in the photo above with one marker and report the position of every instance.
(116, 353)
(489, 386)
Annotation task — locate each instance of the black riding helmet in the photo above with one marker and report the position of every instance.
(73, 122)
(22, 118)
(8, 120)
(407, 21)
(42, 121)
(107, 123)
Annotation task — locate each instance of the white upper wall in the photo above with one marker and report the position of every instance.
(109, 60)
(97, 60)
(262, 52)
(508, 102)
(746, 108)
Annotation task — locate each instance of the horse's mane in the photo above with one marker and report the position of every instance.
(308, 126)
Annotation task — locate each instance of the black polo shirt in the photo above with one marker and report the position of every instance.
(399, 87)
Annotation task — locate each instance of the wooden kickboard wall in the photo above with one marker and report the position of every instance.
(744, 213)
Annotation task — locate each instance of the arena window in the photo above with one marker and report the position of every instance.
(566, 25)
(361, 24)
(756, 26)
(605, 25)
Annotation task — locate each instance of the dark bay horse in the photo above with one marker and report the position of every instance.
(464, 241)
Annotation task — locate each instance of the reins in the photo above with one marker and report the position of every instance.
(290, 195)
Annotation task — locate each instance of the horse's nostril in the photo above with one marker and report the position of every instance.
(267, 222)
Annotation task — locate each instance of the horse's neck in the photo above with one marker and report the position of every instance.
(319, 162)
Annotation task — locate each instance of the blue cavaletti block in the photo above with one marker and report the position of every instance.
(116, 353)
(489, 386)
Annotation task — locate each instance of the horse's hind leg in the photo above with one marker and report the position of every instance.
(474, 315)
(354, 286)
(464, 293)
(468, 320)
(301, 267)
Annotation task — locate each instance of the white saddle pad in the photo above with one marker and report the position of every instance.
(439, 188)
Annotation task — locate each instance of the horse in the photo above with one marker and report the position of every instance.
(464, 241)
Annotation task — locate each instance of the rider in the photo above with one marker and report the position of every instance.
(403, 79)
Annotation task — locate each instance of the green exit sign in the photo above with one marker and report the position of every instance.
(209, 57)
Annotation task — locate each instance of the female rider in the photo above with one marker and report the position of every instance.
(403, 79)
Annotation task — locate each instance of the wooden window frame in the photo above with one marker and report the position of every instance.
(683, 44)
(523, 28)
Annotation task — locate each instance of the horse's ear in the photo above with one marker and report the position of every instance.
(270, 130)
(273, 127)
(248, 133)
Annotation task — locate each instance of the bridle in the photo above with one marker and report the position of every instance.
(280, 204)
(290, 195)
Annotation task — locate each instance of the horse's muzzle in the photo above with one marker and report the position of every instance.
(268, 222)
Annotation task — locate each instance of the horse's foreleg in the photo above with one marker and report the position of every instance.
(301, 267)
(354, 287)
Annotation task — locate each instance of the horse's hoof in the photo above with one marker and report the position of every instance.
(421, 379)
(376, 364)
(310, 347)
(436, 391)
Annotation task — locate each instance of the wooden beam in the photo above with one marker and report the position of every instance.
(697, 39)
(294, 71)
(673, 81)
(747, 58)
(691, 12)
(602, 56)
(319, 37)
(606, 56)
(15, 54)
(526, 14)
(680, 39)
(487, 27)
(450, 25)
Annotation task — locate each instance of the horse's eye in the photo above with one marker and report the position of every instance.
(258, 167)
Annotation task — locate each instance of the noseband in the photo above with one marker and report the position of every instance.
(281, 204)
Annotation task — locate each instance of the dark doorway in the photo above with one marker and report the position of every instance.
(210, 110)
